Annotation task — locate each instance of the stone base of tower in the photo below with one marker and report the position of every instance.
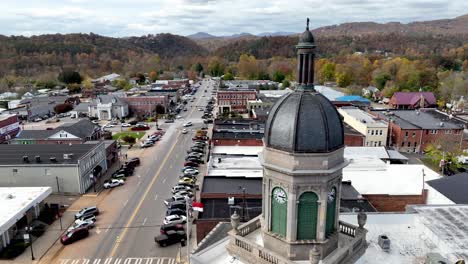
(299, 250)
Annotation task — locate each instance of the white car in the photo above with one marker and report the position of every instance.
(188, 124)
(125, 125)
(200, 109)
(147, 144)
(81, 223)
(191, 171)
(176, 219)
(184, 131)
(109, 126)
(178, 117)
(113, 183)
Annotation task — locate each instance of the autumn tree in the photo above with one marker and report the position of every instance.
(153, 76)
(228, 76)
(216, 66)
(70, 76)
(248, 67)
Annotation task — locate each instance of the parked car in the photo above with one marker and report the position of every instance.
(176, 205)
(171, 227)
(93, 210)
(147, 144)
(176, 219)
(208, 121)
(125, 125)
(169, 121)
(196, 149)
(81, 223)
(187, 180)
(116, 175)
(140, 128)
(134, 122)
(171, 237)
(184, 131)
(113, 183)
(200, 138)
(86, 218)
(187, 124)
(188, 168)
(108, 125)
(133, 162)
(191, 164)
(185, 193)
(190, 172)
(176, 211)
(195, 154)
(74, 235)
(179, 188)
(37, 228)
(194, 159)
(175, 198)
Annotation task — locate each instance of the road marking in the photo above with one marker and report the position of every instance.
(129, 222)
(108, 228)
(155, 197)
(126, 202)
(144, 221)
(164, 180)
(130, 260)
(98, 230)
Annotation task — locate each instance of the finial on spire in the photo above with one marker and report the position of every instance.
(308, 20)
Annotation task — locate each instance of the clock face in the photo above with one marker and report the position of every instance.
(331, 195)
(279, 195)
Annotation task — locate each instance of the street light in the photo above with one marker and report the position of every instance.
(188, 203)
(243, 202)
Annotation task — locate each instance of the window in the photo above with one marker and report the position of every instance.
(409, 144)
(415, 144)
(15, 170)
(448, 131)
(375, 144)
(456, 132)
(427, 132)
(372, 132)
(402, 144)
(414, 134)
(380, 143)
(434, 131)
(381, 132)
(406, 133)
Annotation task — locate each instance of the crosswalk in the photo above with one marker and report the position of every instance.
(149, 260)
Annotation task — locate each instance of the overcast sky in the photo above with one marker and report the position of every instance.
(219, 17)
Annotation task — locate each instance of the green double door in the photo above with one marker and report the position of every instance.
(307, 216)
(279, 215)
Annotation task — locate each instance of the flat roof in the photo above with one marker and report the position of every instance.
(231, 185)
(426, 118)
(232, 166)
(12, 155)
(355, 152)
(16, 201)
(363, 117)
(330, 93)
(237, 150)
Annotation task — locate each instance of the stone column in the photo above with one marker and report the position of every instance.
(291, 227)
(304, 68)
(311, 69)
(299, 68)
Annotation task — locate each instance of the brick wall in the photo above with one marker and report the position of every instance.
(394, 203)
(204, 226)
(354, 140)
(145, 104)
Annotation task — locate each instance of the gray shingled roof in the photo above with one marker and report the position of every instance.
(82, 129)
(424, 119)
(107, 98)
(453, 187)
(13, 154)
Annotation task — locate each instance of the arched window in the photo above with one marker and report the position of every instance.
(331, 211)
(279, 211)
(307, 216)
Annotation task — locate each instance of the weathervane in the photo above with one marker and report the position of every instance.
(308, 20)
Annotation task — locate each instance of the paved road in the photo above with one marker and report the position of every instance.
(131, 215)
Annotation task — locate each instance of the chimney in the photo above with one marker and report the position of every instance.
(38, 159)
(25, 159)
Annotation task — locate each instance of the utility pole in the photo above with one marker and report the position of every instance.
(187, 206)
(28, 231)
(243, 203)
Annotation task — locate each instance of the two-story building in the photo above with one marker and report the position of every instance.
(146, 105)
(107, 107)
(235, 100)
(374, 129)
(414, 130)
(9, 127)
(67, 168)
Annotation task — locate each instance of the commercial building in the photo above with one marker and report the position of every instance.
(146, 105)
(414, 130)
(238, 133)
(107, 107)
(19, 206)
(9, 127)
(234, 100)
(373, 128)
(65, 168)
(69, 133)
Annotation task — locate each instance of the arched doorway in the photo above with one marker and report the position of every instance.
(331, 211)
(307, 216)
(279, 211)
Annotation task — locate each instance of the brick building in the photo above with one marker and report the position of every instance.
(146, 105)
(414, 130)
(238, 133)
(9, 127)
(235, 100)
(412, 100)
(352, 137)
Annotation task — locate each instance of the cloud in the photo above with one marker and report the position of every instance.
(220, 17)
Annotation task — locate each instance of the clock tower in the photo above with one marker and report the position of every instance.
(302, 161)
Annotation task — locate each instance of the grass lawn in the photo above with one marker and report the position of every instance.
(136, 135)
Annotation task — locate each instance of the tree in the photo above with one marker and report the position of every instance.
(70, 76)
(198, 67)
(286, 84)
(216, 66)
(328, 72)
(122, 84)
(74, 88)
(63, 108)
(228, 77)
(278, 77)
(128, 139)
(343, 79)
(248, 67)
(153, 76)
(380, 79)
(160, 109)
(87, 84)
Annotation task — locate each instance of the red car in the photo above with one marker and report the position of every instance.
(140, 128)
(191, 164)
(74, 235)
(200, 138)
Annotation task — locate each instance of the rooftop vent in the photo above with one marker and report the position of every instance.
(53, 159)
(384, 242)
(68, 156)
(10, 196)
(25, 159)
(441, 124)
(38, 158)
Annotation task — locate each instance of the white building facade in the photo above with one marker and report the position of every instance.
(374, 129)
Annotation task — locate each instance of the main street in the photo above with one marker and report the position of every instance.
(131, 215)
